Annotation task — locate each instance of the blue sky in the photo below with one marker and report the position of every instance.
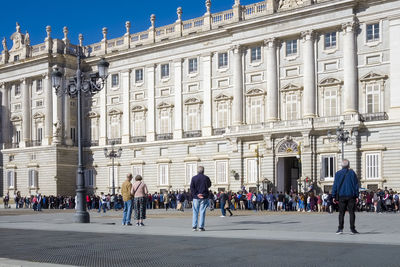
(89, 17)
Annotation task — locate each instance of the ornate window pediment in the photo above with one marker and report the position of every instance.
(291, 87)
(16, 118)
(163, 105)
(92, 114)
(193, 101)
(373, 76)
(114, 112)
(139, 109)
(222, 97)
(255, 92)
(288, 146)
(330, 82)
(38, 116)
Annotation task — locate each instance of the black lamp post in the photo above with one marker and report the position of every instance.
(343, 136)
(88, 85)
(113, 154)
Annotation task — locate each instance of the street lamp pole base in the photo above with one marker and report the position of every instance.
(81, 217)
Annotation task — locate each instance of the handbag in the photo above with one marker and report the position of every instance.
(340, 186)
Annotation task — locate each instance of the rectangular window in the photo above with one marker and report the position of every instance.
(372, 161)
(164, 71)
(33, 178)
(373, 32)
(73, 135)
(193, 116)
(330, 102)
(114, 80)
(373, 98)
(137, 170)
(291, 47)
(39, 103)
(191, 170)
(39, 134)
(330, 40)
(17, 136)
(256, 54)
(139, 75)
(163, 174)
(139, 124)
(328, 167)
(193, 65)
(222, 115)
(255, 110)
(17, 90)
(11, 179)
(90, 177)
(39, 85)
(110, 175)
(222, 60)
(291, 107)
(164, 122)
(221, 170)
(252, 170)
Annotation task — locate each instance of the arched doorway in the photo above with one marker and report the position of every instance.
(287, 166)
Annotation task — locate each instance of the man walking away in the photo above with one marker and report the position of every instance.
(199, 189)
(345, 190)
(127, 197)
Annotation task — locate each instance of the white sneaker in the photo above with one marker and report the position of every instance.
(222, 216)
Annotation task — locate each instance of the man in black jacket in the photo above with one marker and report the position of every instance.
(199, 188)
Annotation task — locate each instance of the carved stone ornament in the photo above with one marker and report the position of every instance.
(255, 92)
(222, 97)
(93, 114)
(164, 105)
(288, 4)
(57, 129)
(291, 87)
(5, 44)
(139, 109)
(18, 39)
(193, 101)
(330, 82)
(373, 76)
(288, 146)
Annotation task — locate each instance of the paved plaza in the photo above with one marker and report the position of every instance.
(248, 238)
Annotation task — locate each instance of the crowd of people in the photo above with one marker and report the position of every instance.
(380, 200)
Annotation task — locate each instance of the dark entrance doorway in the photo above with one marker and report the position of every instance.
(287, 174)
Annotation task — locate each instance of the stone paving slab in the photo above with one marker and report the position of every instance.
(4, 262)
(376, 228)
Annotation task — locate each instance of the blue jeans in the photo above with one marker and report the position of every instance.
(127, 214)
(199, 205)
(222, 204)
(271, 206)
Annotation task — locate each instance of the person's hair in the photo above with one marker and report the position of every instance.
(345, 163)
(129, 175)
(200, 169)
(138, 178)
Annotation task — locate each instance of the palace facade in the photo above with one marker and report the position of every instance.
(254, 94)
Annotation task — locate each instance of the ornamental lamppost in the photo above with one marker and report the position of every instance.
(298, 156)
(113, 154)
(343, 136)
(78, 85)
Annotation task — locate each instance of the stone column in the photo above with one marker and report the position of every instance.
(57, 120)
(309, 95)
(178, 99)
(126, 118)
(48, 117)
(5, 120)
(151, 121)
(350, 69)
(237, 86)
(206, 69)
(26, 113)
(272, 80)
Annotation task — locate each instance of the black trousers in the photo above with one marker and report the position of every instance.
(349, 204)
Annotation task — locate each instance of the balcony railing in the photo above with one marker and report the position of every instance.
(219, 131)
(191, 134)
(167, 136)
(90, 143)
(379, 116)
(115, 141)
(138, 139)
(11, 145)
(33, 143)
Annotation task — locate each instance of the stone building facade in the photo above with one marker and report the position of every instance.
(254, 94)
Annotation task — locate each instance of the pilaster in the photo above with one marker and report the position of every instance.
(309, 95)
(350, 68)
(150, 71)
(272, 79)
(206, 71)
(5, 120)
(394, 33)
(26, 111)
(103, 115)
(48, 118)
(237, 86)
(126, 85)
(178, 99)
